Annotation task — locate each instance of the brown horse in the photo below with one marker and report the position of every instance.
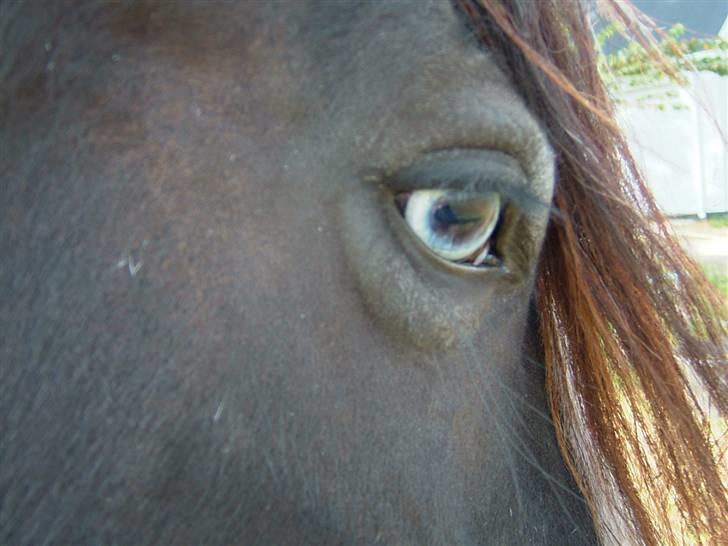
(339, 273)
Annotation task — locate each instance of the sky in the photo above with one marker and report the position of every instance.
(700, 16)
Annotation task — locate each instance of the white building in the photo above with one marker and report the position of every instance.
(679, 137)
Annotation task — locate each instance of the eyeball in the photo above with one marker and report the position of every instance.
(456, 226)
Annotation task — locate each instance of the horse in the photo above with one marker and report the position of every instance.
(339, 273)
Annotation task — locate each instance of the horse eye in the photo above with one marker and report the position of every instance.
(456, 226)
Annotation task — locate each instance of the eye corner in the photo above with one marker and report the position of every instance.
(400, 201)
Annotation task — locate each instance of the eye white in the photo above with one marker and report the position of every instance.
(455, 225)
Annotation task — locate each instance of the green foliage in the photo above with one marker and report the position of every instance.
(632, 64)
(718, 276)
(719, 220)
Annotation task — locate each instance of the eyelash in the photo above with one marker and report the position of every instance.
(458, 227)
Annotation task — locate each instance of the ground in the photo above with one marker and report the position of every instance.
(707, 242)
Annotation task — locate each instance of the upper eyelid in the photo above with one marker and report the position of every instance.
(479, 171)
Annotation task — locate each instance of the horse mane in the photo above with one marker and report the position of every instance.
(634, 337)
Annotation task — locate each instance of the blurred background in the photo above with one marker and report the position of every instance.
(678, 131)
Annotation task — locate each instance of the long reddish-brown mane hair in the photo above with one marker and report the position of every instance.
(633, 335)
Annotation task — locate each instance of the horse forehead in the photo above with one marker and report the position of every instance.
(278, 59)
(265, 77)
(344, 29)
(354, 46)
(339, 28)
(353, 24)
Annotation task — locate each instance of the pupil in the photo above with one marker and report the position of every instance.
(445, 219)
(444, 216)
